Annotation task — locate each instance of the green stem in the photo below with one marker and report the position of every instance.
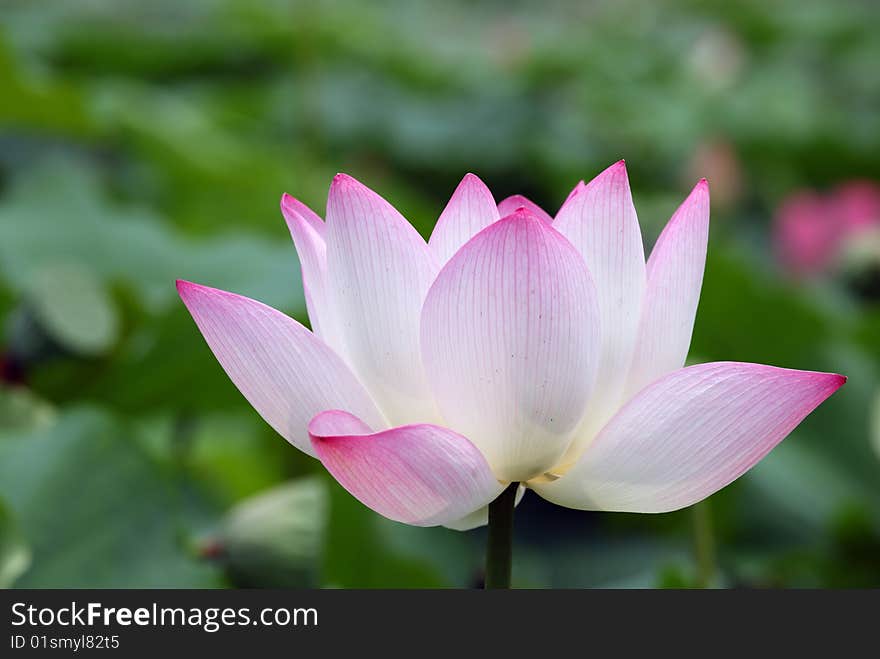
(704, 544)
(500, 548)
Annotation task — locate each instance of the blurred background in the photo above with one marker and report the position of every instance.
(145, 141)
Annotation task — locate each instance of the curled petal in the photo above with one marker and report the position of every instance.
(689, 434)
(510, 333)
(290, 204)
(307, 231)
(420, 474)
(286, 372)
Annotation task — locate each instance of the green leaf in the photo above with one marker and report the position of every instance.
(131, 245)
(22, 411)
(359, 555)
(72, 306)
(15, 556)
(746, 315)
(96, 511)
(275, 538)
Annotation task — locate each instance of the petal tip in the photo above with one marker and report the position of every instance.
(288, 207)
(837, 380)
(614, 176)
(343, 179)
(617, 169)
(523, 214)
(189, 291)
(288, 203)
(472, 181)
(184, 288)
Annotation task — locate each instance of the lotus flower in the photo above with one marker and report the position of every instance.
(512, 347)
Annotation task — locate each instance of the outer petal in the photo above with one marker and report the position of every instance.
(511, 204)
(378, 271)
(675, 276)
(600, 220)
(284, 371)
(577, 188)
(471, 209)
(510, 343)
(418, 474)
(480, 517)
(688, 435)
(294, 205)
(307, 231)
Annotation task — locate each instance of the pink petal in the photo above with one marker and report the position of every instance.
(294, 205)
(420, 474)
(517, 201)
(580, 186)
(284, 371)
(471, 209)
(307, 231)
(378, 271)
(510, 343)
(688, 435)
(675, 276)
(601, 222)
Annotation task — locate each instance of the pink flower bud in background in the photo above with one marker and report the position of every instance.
(812, 231)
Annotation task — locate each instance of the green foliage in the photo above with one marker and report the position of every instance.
(15, 556)
(276, 538)
(96, 511)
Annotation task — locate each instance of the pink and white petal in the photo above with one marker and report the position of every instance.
(470, 210)
(308, 238)
(675, 277)
(577, 188)
(420, 474)
(294, 205)
(283, 370)
(510, 205)
(510, 343)
(600, 221)
(378, 271)
(480, 517)
(689, 434)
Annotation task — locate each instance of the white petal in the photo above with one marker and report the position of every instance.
(675, 276)
(378, 271)
(480, 517)
(688, 435)
(510, 343)
(307, 231)
(286, 372)
(470, 209)
(600, 220)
